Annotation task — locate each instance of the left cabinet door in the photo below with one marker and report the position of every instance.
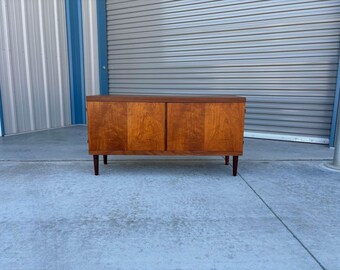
(125, 126)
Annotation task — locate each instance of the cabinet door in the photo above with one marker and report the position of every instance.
(205, 127)
(126, 126)
(146, 126)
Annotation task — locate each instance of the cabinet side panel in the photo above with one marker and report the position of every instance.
(146, 126)
(107, 126)
(185, 126)
(224, 124)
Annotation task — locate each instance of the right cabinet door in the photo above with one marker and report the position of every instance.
(206, 127)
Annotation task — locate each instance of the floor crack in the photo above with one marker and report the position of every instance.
(282, 222)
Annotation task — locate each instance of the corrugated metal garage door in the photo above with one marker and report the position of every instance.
(281, 55)
(34, 65)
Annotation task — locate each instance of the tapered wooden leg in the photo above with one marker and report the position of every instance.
(105, 159)
(96, 164)
(235, 163)
(226, 158)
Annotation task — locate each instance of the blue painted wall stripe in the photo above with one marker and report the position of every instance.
(335, 107)
(102, 47)
(76, 60)
(2, 123)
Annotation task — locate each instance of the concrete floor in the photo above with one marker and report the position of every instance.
(281, 212)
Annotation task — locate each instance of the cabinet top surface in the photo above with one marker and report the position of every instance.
(177, 99)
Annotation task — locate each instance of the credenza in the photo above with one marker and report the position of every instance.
(165, 125)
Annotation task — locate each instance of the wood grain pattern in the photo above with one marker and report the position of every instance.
(205, 127)
(107, 126)
(168, 99)
(122, 126)
(146, 126)
(223, 127)
(185, 127)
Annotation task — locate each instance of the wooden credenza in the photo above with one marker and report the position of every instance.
(165, 125)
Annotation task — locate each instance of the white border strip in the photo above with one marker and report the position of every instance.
(281, 137)
(1, 132)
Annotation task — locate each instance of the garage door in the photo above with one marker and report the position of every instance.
(281, 55)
